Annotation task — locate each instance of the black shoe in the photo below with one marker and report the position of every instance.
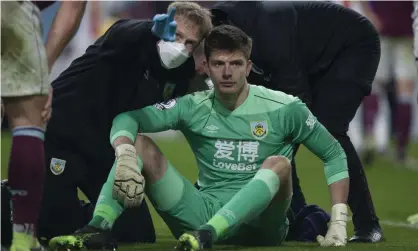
(372, 236)
(87, 237)
(195, 241)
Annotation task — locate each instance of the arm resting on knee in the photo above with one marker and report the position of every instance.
(304, 128)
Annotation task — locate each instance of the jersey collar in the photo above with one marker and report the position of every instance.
(222, 110)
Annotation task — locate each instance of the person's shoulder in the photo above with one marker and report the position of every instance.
(197, 98)
(330, 8)
(201, 96)
(132, 24)
(318, 4)
(125, 34)
(274, 97)
(274, 6)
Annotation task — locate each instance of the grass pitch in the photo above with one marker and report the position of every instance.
(394, 192)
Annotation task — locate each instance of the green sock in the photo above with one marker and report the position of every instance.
(167, 191)
(107, 209)
(249, 202)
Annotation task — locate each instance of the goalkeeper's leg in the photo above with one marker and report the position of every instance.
(182, 207)
(272, 181)
(179, 203)
(269, 229)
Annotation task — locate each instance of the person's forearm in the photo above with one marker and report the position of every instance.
(336, 172)
(326, 147)
(339, 191)
(124, 129)
(63, 28)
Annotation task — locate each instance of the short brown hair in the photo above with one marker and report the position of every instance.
(195, 13)
(230, 38)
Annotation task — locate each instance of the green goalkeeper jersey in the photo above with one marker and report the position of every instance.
(230, 146)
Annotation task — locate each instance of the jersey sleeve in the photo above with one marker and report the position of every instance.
(301, 126)
(169, 115)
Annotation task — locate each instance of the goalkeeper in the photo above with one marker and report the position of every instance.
(242, 136)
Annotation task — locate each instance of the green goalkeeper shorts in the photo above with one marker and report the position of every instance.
(195, 208)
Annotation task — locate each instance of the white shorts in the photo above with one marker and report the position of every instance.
(415, 28)
(397, 59)
(24, 66)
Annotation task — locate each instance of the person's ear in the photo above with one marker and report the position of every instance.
(249, 67)
(206, 65)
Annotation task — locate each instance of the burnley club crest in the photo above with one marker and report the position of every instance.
(259, 129)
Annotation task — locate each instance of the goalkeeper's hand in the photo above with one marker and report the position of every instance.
(337, 231)
(129, 184)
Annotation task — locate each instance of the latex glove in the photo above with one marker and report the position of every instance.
(129, 184)
(337, 231)
(165, 26)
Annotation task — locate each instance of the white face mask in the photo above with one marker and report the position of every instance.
(172, 54)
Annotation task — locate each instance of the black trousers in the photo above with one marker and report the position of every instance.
(61, 212)
(336, 95)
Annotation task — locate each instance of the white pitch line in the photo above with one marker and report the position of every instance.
(398, 224)
(401, 224)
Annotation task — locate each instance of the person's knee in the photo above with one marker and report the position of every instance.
(149, 151)
(25, 111)
(405, 87)
(279, 165)
(153, 160)
(282, 167)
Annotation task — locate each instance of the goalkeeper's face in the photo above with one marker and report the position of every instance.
(228, 70)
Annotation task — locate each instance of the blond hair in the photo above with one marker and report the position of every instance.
(195, 13)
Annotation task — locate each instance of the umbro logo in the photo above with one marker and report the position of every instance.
(212, 128)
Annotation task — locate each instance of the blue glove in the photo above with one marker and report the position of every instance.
(165, 26)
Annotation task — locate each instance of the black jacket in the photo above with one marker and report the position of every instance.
(121, 71)
(293, 42)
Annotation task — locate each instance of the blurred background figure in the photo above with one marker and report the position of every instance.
(413, 219)
(26, 62)
(393, 21)
(378, 119)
